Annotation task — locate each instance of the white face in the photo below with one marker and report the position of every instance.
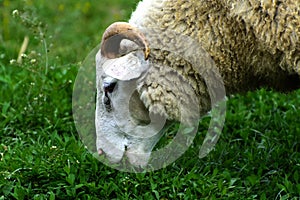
(123, 124)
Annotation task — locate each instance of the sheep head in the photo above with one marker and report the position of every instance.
(124, 126)
(138, 94)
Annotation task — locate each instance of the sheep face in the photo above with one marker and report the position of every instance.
(123, 124)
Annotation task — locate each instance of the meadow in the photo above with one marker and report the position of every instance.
(42, 156)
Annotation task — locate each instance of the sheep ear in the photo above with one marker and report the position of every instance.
(125, 68)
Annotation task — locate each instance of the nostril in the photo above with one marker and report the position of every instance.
(100, 152)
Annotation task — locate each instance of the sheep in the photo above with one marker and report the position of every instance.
(252, 44)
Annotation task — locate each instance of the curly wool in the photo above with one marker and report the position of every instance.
(252, 42)
(276, 25)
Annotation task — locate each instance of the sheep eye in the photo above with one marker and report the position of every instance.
(109, 85)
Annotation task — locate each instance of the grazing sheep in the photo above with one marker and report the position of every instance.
(253, 43)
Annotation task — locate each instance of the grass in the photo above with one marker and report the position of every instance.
(42, 156)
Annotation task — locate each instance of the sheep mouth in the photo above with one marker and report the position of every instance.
(127, 157)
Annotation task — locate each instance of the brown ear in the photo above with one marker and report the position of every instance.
(118, 31)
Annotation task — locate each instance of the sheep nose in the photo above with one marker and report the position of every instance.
(101, 152)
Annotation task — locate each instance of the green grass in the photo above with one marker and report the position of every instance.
(42, 156)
